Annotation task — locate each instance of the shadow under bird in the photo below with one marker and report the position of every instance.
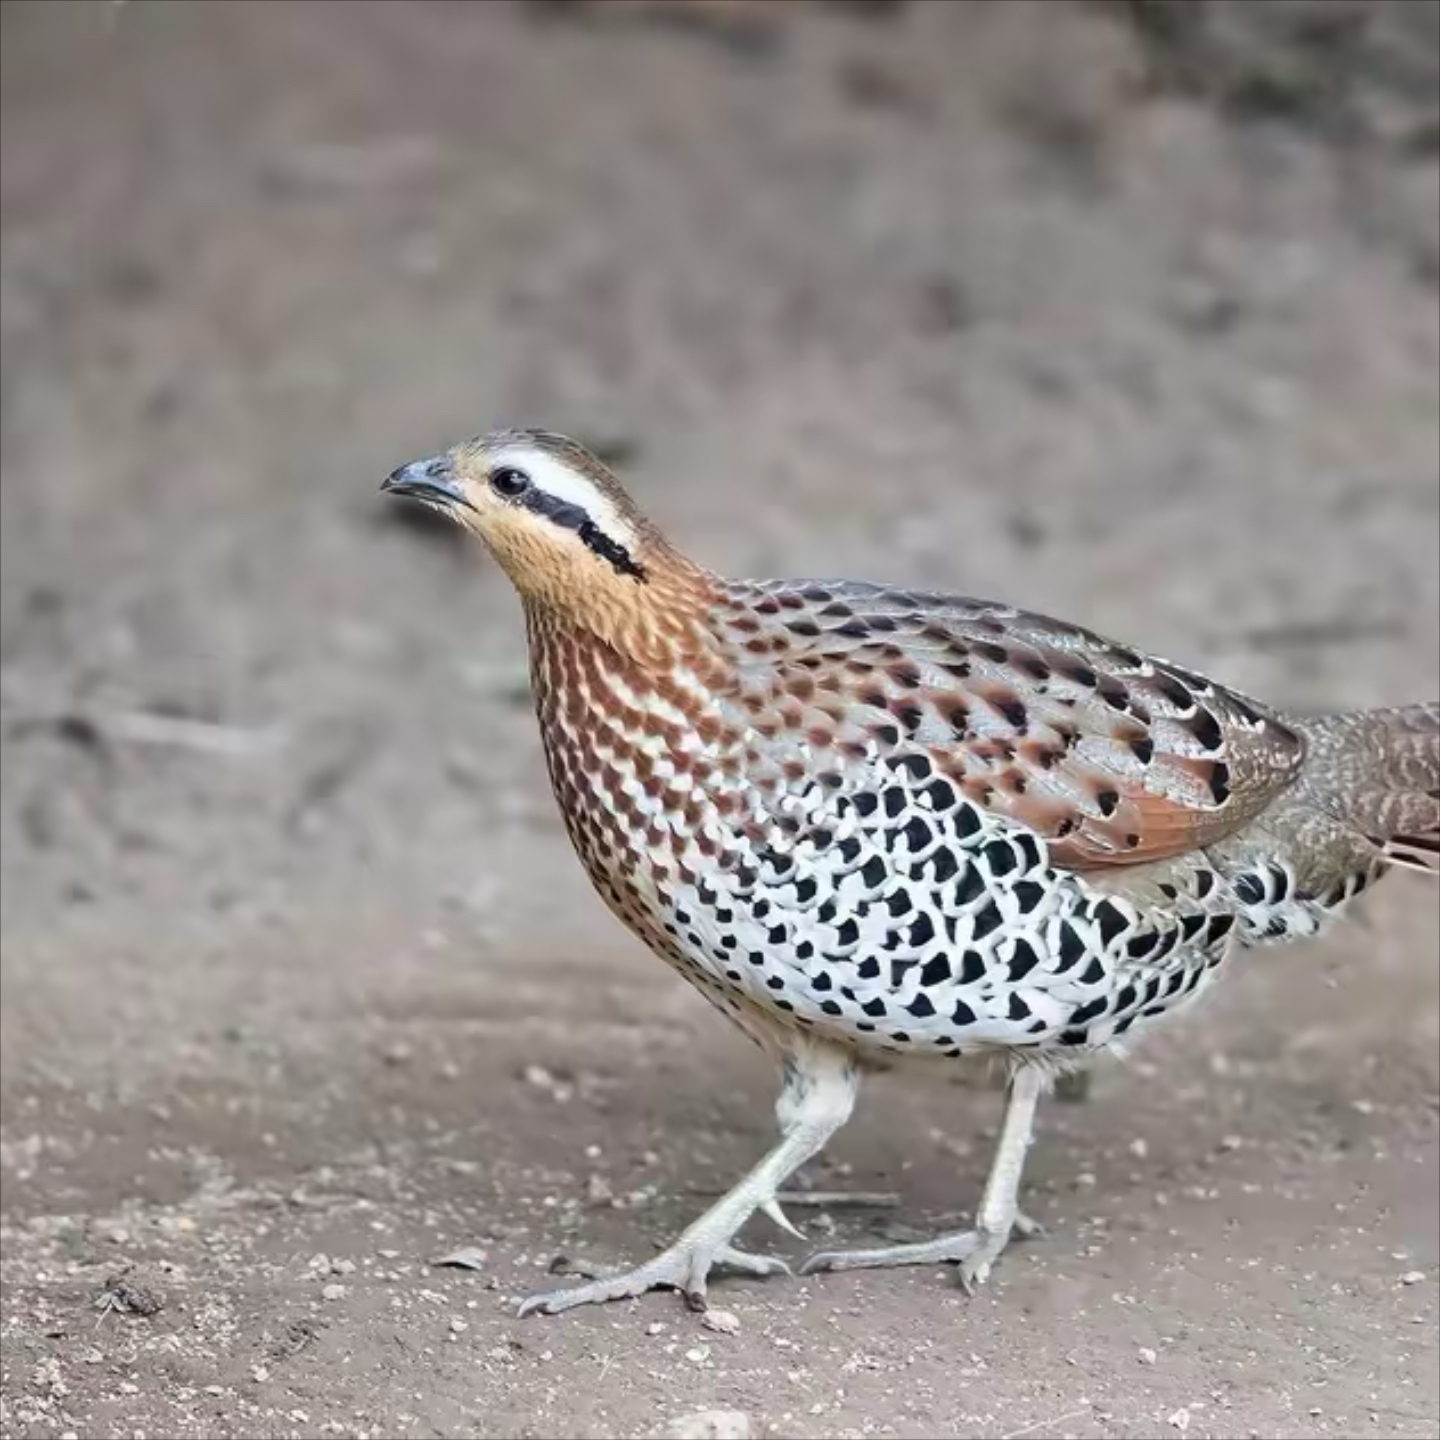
(872, 823)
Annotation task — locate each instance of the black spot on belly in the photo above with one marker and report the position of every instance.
(962, 1014)
(1191, 926)
(940, 794)
(972, 967)
(918, 833)
(1094, 973)
(1023, 961)
(986, 920)
(831, 1007)
(945, 864)
(898, 902)
(921, 1006)
(935, 971)
(1019, 1010)
(969, 885)
(1220, 927)
(822, 982)
(967, 821)
(1028, 895)
(922, 931)
(869, 968)
(1111, 920)
(918, 766)
(895, 802)
(873, 872)
(1141, 945)
(1000, 856)
(776, 934)
(775, 982)
(850, 850)
(1075, 1037)
(865, 803)
(875, 1007)
(848, 933)
(805, 890)
(1089, 1012)
(1175, 982)
(1249, 889)
(1072, 947)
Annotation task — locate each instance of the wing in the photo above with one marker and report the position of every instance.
(1115, 757)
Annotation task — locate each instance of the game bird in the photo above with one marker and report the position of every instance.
(871, 823)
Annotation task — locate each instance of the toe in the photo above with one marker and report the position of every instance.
(742, 1260)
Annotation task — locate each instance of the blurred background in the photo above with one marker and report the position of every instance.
(1125, 312)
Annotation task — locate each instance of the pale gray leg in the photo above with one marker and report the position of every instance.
(816, 1098)
(974, 1250)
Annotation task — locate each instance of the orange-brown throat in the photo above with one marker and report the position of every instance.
(656, 620)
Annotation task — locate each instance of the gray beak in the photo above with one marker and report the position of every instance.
(430, 480)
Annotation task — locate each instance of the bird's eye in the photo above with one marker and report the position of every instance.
(509, 482)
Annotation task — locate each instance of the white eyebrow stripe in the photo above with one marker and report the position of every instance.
(558, 479)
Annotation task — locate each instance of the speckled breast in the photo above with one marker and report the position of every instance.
(889, 910)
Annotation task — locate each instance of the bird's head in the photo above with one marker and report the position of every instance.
(559, 524)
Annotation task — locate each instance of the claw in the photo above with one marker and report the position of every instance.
(683, 1267)
(771, 1208)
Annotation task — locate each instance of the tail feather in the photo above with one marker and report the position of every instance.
(1380, 772)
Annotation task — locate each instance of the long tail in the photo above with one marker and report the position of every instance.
(1378, 773)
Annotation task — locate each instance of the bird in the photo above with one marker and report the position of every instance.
(875, 825)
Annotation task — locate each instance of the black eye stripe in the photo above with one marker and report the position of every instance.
(574, 517)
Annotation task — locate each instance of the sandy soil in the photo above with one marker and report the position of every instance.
(302, 987)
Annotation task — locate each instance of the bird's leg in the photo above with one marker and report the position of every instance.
(974, 1250)
(816, 1097)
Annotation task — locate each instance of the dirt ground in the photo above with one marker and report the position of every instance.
(302, 987)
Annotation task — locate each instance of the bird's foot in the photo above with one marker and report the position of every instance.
(974, 1251)
(685, 1266)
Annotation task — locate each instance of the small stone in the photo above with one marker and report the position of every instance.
(259, 1374)
(1139, 1148)
(128, 1387)
(1412, 1277)
(1179, 1419)
(1146, 1356)
(722, 1322)
(457, 1325)
(698, 1355)
(655, 1327)
(710, 1425)
(1231, 1142)
(1084, 1181)
(342, 1267)
(467, 1257)
(333, 1292)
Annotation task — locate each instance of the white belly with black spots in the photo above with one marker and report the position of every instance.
(902, 917)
